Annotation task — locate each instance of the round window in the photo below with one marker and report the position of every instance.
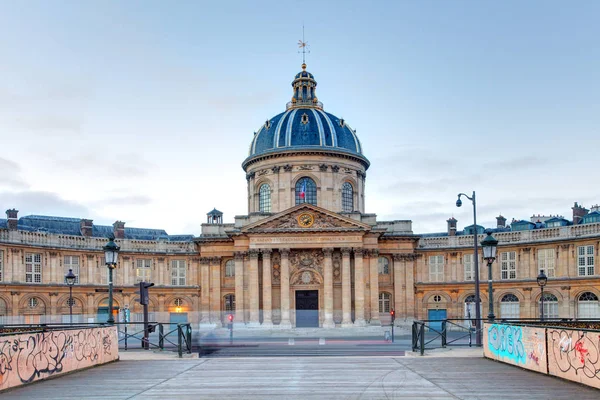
(178, 302)
(437, 298)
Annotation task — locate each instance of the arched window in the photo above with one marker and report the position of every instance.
(33, 302)
(509, 306)
(347, 197)
(306, 191)
(264, 199)
(587, 306)
(470, 311)
(550, 305)
(229, 268)
(384, 302)
(384, 265)
(229, 302)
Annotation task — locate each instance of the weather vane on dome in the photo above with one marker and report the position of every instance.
(304, 46)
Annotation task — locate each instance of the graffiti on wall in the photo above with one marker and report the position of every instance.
(25, 358)
(507, 341)
(522, 346)
(575, 355)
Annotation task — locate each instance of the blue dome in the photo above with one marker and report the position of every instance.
(305, 126)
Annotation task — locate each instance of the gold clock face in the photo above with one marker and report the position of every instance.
(305, 220)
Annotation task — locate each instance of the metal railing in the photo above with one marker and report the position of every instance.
(177, 335)
(183, 331)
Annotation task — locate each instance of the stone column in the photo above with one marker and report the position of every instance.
(267, 298)
(285, 289)
(239, 289)
(253, 288)
(359, 288)
(328, 288)
(215, 291)
(399, 282)
(410, 286)
(346, 288)
(204, 292)
(374, 292)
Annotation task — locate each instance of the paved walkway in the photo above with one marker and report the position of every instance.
(307, 378)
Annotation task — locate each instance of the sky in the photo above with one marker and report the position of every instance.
(143, 111)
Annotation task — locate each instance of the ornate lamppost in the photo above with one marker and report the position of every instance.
(542, 279)
(490, 245)
(70, 280)
(476, 263)
(111, 253)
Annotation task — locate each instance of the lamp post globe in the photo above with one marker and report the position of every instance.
(475, 265)
(490, 246)
(70, 279)
(542, 279)
(111, 254)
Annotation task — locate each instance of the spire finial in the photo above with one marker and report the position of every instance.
(304, 46)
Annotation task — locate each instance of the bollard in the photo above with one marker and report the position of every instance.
(444, 338)
(125, 337)
(161, 337)
(422, 335)
(179, 344)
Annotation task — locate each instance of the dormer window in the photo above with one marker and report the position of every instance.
(304, 119)
(342, 122)
(267, 124)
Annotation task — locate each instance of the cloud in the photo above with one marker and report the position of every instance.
(130, 165)
(44, 203)
(125, 200)
(10, 173)
(519, 163)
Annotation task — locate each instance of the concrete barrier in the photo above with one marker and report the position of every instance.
(562, 352)
(30, 357)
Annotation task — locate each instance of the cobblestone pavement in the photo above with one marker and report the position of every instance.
(306, 378)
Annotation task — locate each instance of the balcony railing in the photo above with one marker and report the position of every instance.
(291, 104)
(45, 239)
(537, 235)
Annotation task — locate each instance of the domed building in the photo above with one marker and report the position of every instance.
(307, 254)
(305, 147)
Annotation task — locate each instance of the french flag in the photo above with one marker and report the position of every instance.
(303, 191)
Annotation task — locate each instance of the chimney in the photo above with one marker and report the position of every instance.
(578, 212)
(12, 222)
(119, 230)
(452, 226)
(501, 221)
(86, 227)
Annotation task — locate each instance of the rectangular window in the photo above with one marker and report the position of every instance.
(72, 262)
(178, 272)
(508, 265)
(546, 262)
(585, 260)
(436, 268)
(1, 266)
(469, 267)
(510, 310)
(33, 268)
(550, 309)
(143, 269)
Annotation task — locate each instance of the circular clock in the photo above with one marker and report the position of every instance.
(305, 220)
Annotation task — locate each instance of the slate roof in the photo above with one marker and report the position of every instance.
(72, 226)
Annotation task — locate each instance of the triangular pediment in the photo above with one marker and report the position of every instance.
(306, 218)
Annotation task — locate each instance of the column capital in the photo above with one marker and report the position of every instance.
(253, 253)
(398, 257)
(284, 252)
(374, 253)
(327, 251)
(239, 255)
(204, 260)
(215, 260)
(346, 251)
(266, 252)
(358, 251)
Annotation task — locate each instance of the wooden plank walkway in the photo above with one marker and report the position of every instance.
(306, 378)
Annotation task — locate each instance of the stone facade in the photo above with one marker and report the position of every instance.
(302, 251)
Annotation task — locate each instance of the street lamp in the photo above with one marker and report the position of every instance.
(111, 253)
(476, 258)
(489, 245)
(70, 280)
(542, 279)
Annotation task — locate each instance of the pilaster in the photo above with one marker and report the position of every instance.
(328, 288)
(346, 288)
(374, 287)
(359, 288)
(285, 289)
(239, 289)
(267, 298)
(215, 291)
(253, 288)
(204, 292)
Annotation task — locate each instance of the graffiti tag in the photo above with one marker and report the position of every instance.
(507, 341)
